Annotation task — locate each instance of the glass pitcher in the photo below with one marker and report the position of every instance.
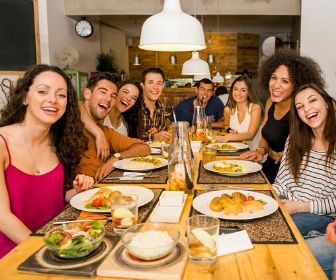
(198, 124)
(180, 161)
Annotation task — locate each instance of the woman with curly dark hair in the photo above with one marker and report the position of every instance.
(280, 75)
(41, 143)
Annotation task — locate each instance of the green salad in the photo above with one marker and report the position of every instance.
(75, 242)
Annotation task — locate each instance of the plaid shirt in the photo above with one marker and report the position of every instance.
(158, 120)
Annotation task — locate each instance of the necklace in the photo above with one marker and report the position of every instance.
(36, 171)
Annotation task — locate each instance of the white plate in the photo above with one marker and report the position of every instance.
(156, 144)
(237, 146)
(201, 204)
(124, 164)
(247, 167)
(145, 195)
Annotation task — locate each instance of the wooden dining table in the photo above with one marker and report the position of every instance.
(264, 261)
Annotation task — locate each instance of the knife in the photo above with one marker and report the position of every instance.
(82, 220)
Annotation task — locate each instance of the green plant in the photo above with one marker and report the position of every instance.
(106, 62)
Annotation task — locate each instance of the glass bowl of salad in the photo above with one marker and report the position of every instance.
(76, 240)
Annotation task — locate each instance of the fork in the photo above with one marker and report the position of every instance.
(134, 175)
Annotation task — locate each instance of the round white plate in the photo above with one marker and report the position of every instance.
(125, 164)
(237, 146)
(201, 204)
(156, 144)
(247, 167)
(145, 195)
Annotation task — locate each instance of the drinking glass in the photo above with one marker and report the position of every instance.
(209, 154)
(202, 232)
(124, 212)
(165, 150)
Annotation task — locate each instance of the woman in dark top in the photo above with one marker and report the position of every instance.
(280, 75)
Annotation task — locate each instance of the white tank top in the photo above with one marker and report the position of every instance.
(244, 125)
(122, 129)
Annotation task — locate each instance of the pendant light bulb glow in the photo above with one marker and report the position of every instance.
(172, 30)
(195, 66)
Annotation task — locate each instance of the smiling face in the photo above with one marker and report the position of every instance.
(127, 96)
(311, 108)
(240, 92)
(280, 85)
(101, 98)
(153, 86)
(47, 98)
(204, 92)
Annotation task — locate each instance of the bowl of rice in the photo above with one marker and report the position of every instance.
(150, 241)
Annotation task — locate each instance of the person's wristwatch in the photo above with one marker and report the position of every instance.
(117, 155)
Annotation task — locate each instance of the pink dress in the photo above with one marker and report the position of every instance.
(33, 199)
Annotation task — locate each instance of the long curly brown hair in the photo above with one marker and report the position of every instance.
(302, 69)
(66, 135)
(301, 134)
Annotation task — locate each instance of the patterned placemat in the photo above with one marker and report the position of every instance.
(158, 176)
(208, 177)
(272, 229)
(236, 153)
(72, 213)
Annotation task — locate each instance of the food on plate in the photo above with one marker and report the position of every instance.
(148, 159)
(224, 146)
(142, 163)
(75, 240)
(102, 199)
(235, 203)
(228, 167)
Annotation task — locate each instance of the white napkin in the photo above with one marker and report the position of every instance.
(233, 242)
(134, 176)
(155, 151)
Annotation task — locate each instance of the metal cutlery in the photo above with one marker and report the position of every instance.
(82, 220)
(225, 187)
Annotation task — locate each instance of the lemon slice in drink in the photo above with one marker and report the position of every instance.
(204, 237)
(120, 213)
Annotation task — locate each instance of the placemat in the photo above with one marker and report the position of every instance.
(272, 229)
(71, 213)
(161, 177)
(207, 177)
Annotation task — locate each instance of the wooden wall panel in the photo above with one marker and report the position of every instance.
(233, 52)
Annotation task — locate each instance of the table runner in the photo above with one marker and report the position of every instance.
(161, 177)
(208, 177)
(71, 213)
(272, 229)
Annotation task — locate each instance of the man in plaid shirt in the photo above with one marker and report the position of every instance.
(153, 117)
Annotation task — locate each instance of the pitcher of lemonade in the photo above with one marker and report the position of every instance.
(180, 160)
(198, 124)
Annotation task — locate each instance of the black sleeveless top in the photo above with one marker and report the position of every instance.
(275, 132)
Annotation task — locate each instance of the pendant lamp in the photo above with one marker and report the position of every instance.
(136, 60)
(195, 66)
(218, 78)
(172, 30)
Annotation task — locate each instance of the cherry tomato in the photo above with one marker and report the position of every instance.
(98, 202)
(250, 197)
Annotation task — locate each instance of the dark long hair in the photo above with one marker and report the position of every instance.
(301, 134)
(251, 97)
(131, 116)
(301, 69)
(66, 135)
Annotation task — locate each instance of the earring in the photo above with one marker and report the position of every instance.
(25, 103)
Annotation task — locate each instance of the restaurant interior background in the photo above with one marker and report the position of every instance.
(234, 34)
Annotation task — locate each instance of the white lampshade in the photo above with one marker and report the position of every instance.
(172, 30)
(200, 77)
(195, 66)
(218, 78)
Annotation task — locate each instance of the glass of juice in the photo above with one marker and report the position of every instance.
(202, 232)
(124, 212)
(209, 154)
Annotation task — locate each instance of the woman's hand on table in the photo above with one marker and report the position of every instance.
(222, 139)
(82, 183)
(252, 155)
(331, 232)
(295, 206)
(276, 156)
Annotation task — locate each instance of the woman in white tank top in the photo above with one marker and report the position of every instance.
(242, 114)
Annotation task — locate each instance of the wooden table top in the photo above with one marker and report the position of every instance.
(265, 261)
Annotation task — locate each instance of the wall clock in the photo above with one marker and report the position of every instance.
(84, 28)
